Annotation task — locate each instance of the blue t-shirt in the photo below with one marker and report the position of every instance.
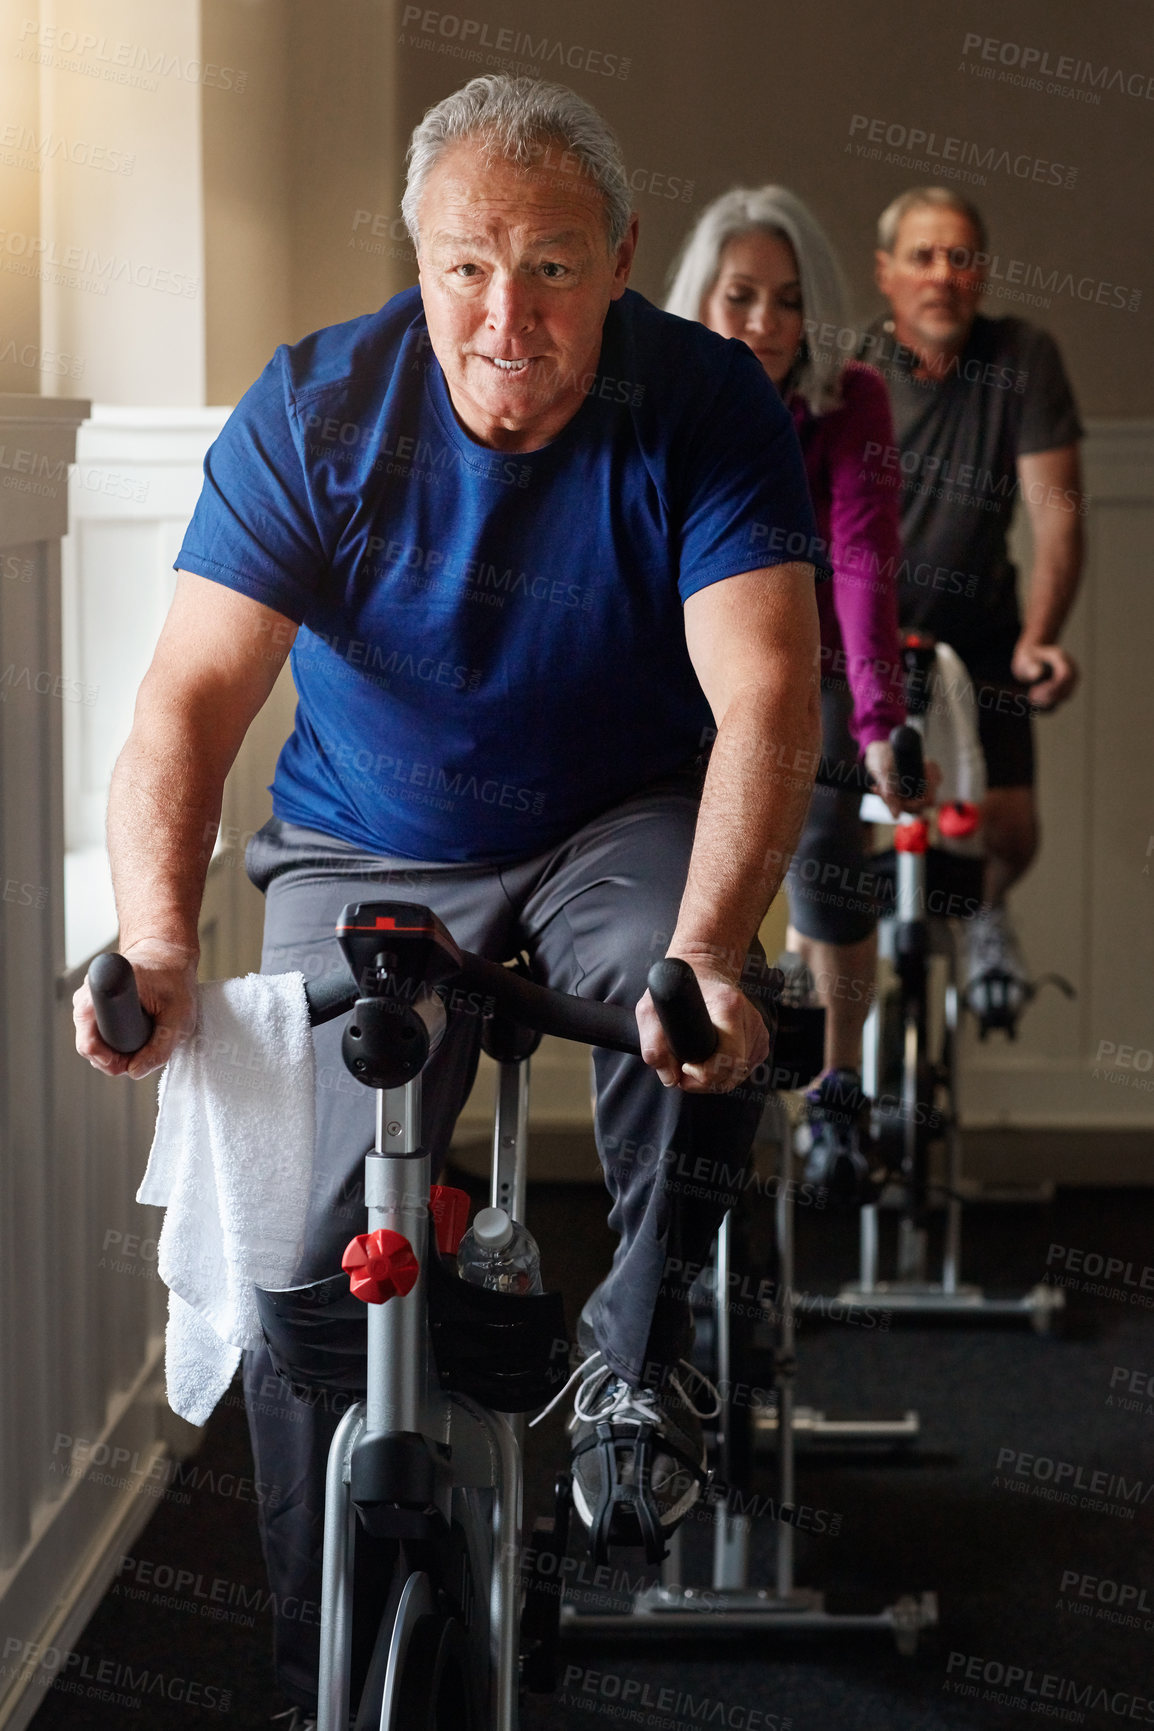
(492, 645)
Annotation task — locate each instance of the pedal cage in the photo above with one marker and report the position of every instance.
(621, 1497)
(1000, 1014)
(997, 998)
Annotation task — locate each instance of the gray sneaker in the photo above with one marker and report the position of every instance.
(638, 1455)
(997, 987)
(797, 987)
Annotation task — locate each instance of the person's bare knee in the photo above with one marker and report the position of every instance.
(843, 976)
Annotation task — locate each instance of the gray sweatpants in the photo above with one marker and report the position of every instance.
(592, 914)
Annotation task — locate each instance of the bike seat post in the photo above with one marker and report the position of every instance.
(397, 1197)
(510, 1045)
(510, 1138)
(510, 1165)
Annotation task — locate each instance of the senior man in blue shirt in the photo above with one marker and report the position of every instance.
(514, 529)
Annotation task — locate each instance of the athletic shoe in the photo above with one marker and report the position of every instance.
(797, 986)
(834, 1137)
(997, 987)
(638, 1455)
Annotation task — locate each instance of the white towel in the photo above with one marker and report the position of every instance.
(232, 1162)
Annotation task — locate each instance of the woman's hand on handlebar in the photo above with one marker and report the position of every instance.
(166, 980)
(879, 762)
(1050, 673)
(743, 1039)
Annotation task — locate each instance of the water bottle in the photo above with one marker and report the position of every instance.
(499, 1253)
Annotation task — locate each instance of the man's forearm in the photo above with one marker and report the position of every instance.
(756, 794)
(163, 812)
(1053, 586)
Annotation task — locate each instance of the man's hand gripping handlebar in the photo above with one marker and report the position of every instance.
(678, 1027)
(161, 977)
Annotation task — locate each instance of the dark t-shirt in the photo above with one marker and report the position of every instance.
(954, 463)
(492, 645)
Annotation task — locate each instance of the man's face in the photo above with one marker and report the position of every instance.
(930, 279)
(516, 278)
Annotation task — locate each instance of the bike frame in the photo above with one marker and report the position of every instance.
(910, 938)
(480, 1448)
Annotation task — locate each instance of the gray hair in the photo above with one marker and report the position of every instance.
(772, 210)
(514, 118)
(944, 197)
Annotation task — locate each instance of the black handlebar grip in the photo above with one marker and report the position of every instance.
(121, 1020)
(1046, 673)
(330, 995)
(909, 761)
(681, 1010)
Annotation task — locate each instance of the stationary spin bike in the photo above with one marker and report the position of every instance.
(911, 1041)
(427, 1459)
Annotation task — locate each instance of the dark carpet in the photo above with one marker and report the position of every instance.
(1047, 1605)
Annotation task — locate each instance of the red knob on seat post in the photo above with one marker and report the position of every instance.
(958, 819)
(912, 837)
(380, 1265)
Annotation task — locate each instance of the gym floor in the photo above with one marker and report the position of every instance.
(1012, 1567)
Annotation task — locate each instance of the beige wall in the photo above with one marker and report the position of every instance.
(301, 177)
(21, 356)
(247, 242)
(120, 194)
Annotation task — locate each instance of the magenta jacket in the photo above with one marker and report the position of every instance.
(858, 521)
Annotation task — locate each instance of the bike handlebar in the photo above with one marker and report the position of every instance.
(909, 761)
(126, 1027)
(681, 1010)
(122, 1021)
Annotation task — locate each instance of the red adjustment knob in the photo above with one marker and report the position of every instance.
(958, 819)
(380, 1265)
(450, 1211)
(912, 837)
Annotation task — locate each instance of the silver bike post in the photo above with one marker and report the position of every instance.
(730, 1531)
(397, 1197)
(510, 1139)
(507, 1191)
(671, 1569)
(337, 1578)
(952, 1254)
(505, 1584)
(911, 905)
(511, 1159)
(785, 1374)
(871, 1085)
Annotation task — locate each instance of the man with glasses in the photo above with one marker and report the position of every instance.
(983, 414)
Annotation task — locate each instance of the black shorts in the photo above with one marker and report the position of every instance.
(1005, 723)
(831, 886)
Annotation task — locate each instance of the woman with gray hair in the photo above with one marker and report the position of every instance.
(758, 266)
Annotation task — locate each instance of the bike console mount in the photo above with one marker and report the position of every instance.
(398, 953)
